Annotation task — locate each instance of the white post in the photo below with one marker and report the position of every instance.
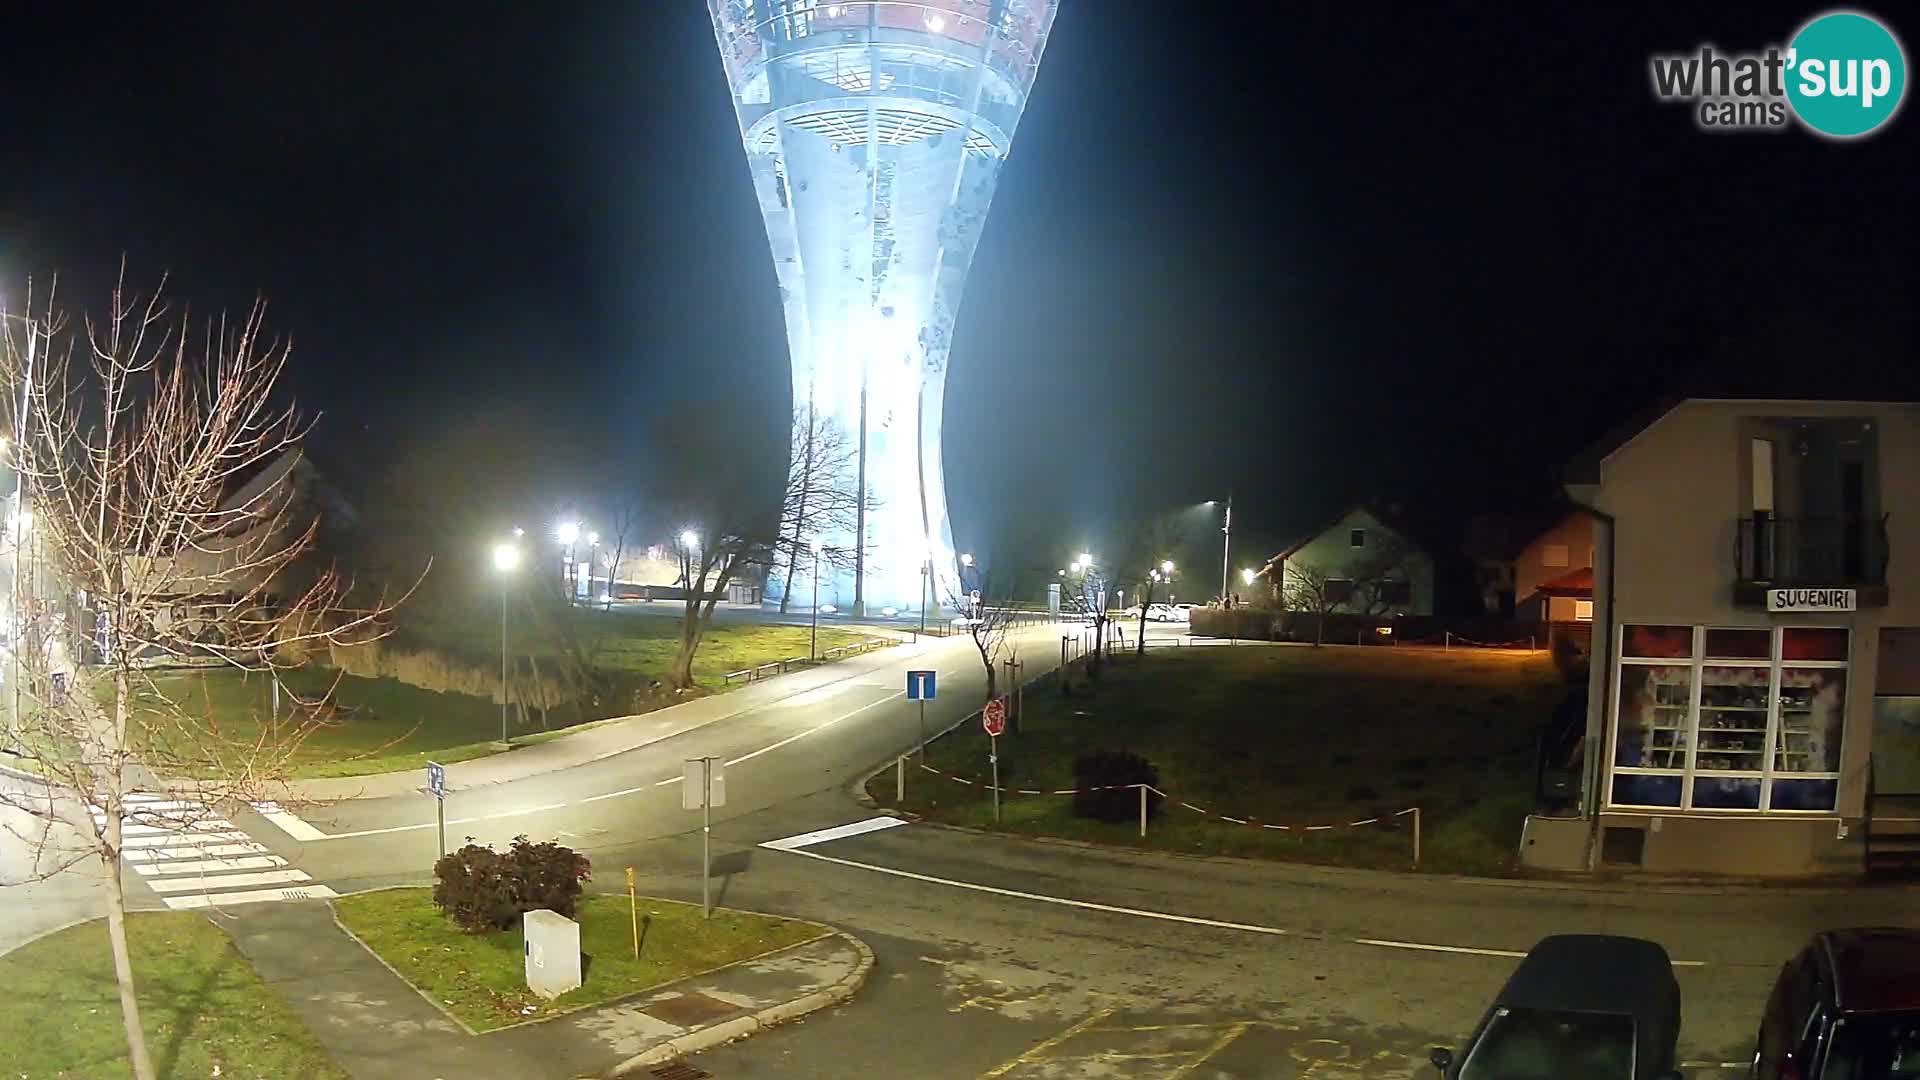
(993, 758)
(706, 839)
(1416, 838)
(900, 779)
(1446, 644)
(1143, 808)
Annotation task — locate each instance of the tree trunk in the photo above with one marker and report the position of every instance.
(1319, 629)
(993, 683)
(800, 514)
(680, 674)
(116, 893)
(123, 959)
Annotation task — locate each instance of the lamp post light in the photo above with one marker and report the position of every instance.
(813, 645)
(593, 560)
(568, 533)
(505, 558)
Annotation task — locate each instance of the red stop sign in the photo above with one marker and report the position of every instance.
(994, 716)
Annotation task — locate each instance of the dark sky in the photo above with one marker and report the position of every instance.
(1310, 253)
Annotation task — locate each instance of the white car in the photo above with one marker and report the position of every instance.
(1183, 612)
(1162, 613)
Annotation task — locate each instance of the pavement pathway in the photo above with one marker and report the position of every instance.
(377, 1027)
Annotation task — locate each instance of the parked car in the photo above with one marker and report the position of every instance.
(1846, 1006)
(1161, 613)
(1577, 1007)
(1183, 612)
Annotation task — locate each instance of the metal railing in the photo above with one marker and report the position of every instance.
(1841, 549)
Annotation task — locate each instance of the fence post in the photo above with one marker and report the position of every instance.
(1143, 808)
(900, 779)
(1446, 643)
(1416, 838)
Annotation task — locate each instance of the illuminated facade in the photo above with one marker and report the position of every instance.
(875, 132)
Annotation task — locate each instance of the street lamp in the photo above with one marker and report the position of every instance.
(1086, 560)
(813, 644)
(966, 559)
(1167, 568)
(505, 558)
(689, 539)
(1247, 575)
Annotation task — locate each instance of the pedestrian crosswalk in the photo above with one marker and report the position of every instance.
(193, 858)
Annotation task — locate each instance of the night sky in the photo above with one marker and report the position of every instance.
(1310, 256)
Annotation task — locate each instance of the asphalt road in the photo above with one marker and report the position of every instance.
(1000, 958)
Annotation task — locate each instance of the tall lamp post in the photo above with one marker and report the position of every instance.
(568, 533)
(813, 644)
(1226, 546)
(505, 558)
(593, 560)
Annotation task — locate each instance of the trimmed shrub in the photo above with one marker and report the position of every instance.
(1106, 769)
(485, 891)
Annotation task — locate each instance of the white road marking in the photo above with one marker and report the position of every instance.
(154, 855)
(820, 727)
(130, 829)
(262, 896)
(226, 881)
(204, 866)
(1385, 943)
(838, 832)
(451, 821)
(172, 838)
(288, 822)
(1164, 916)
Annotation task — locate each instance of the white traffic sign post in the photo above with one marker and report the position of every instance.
(994, 719)
(703, 787)
(437, 785)
(921, 687)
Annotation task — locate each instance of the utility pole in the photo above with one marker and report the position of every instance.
(860, 512)
(1226, 546)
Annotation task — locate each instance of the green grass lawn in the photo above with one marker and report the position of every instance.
(205, 1011)
(384, 725)
(1285, 735)
(482, 978)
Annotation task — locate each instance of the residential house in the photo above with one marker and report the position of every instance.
(1754, 700)
(1553, 580)
(1368, 566)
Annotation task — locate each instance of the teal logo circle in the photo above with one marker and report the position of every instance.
(1846, 74)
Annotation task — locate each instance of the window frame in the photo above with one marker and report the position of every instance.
(1356, 538)
(1689, 772)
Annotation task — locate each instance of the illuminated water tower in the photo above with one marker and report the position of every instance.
(875, 131)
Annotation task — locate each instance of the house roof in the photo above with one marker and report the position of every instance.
(1577, 584)
(1386, 518)
(1790, 359)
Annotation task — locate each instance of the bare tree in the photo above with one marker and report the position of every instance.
(626, 517)
(988, 620)
(1360, 586)
(708, 563)
(157, 495)
(822, 498)
(1084, 591)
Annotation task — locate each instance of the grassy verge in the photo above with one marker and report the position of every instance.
(384, 725)
(205, 1011)
(1284, 735)
(482, 978)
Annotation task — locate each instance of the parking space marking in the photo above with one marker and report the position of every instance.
(1212, 1048)
(1033, 1052)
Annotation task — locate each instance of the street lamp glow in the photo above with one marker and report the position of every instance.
(593, 538)
(819, 546)
(966, 558)
(1086, 560)
(505, 557)
(1247, 575)
(518, 531)
(567, 532)
(689, 539)
(1167, 567)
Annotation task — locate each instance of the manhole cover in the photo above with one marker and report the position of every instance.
(679, 1070)
(690, 1010)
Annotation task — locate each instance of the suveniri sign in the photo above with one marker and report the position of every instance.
(1810, 600)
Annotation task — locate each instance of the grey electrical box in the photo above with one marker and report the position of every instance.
(553, 952)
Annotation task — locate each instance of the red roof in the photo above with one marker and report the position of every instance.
(1578, 584)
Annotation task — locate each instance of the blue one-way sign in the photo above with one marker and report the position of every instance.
(919, 686)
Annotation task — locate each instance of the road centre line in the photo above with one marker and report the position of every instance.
(450, 821)
(1164, 916)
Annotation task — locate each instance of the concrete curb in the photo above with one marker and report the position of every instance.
(742, 1026)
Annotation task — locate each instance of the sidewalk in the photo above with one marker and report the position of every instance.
(377, 1026)
(612, 737)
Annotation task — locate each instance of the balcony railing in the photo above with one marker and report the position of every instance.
(1849, 549)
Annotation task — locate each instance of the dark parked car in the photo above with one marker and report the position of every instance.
(1846, 1008)
(1578, 1007)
